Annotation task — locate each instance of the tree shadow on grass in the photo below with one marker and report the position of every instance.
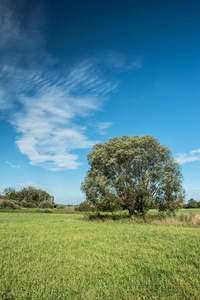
(122, 217)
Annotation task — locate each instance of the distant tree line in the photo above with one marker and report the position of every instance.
(192, 204)
(28, 197)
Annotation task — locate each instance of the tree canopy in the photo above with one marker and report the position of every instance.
(133, 173)
(27, 196)
(192, 203)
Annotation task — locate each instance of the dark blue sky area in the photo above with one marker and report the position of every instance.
(164, 34)
(134, 27)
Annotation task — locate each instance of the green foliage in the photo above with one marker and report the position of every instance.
(45, 204)
(9, 204)
(46, 210)
(38, 210)
(134, 173)
(60, 206)
(28, 204)
(192, 204)
(11, 194)
(85, 206)
(29, 197)
(34, 195)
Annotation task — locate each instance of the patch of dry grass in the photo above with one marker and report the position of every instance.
(191, 220)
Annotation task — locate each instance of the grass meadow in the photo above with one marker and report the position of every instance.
(61, 256)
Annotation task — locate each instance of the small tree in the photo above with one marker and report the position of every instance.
(133, 173)
(28, 204)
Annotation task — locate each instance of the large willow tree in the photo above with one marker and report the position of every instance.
(133, 173)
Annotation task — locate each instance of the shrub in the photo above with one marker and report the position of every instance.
(8, 204)
(45, 204)
(60, 206)
(38, 210)
(85, 206)
(46, 210)
(27, 204)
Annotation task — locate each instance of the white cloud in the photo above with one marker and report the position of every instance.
(102, 126)
(12, 166)
(47, 110)
(183, 158)
(193, 152)
(47, 105)
(47, 125)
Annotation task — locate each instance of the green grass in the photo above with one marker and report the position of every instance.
(189, 211)
(60, 256)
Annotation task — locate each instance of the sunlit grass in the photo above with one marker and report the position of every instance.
(60, 256)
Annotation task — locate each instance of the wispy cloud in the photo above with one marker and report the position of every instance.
(183, 158)
(49, 106)
(47, 121)
(47, 110)
(102, 126)
(12, 166)
(121, 62)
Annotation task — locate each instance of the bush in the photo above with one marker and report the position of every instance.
(45, 204)
(8, 204)
(60, 206)
(85, 206)
(27, 204)
(46, 210)
(38, 210)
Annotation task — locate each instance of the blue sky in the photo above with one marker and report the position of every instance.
(76, 73)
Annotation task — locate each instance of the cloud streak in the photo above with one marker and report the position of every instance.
(102, 126)
(120, 62)
(184, 158)
(48, 106)
(48, 111)
(46, 122)
(12, 166)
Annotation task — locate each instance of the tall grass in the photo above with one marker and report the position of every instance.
(186, 220)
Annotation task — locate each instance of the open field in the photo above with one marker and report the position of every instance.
(60, 256)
